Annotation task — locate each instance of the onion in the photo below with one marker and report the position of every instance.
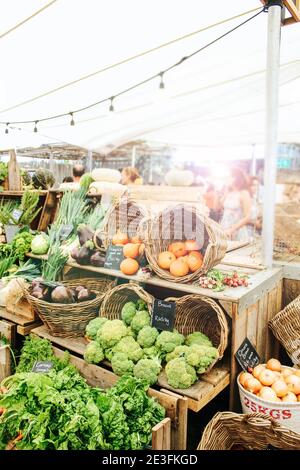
(280, 388)
(243, 377)
(290, 397)
(293, 383)
(297, 372)
(286, 372)
(252, 385)
(267, 377)
(273, 364)
(257, 370)
(266, 393)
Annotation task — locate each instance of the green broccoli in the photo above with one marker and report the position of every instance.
(111, 333)
(141, 305)
(128, 312)
(180, 374)
(198, 338)
(140, 320)
(151, 352)
(130, 332)
(130, 347)
(93, 327)
(147, 369)
(108, 353)
(121, 365)
(201, 357)
(168, 340)
(147, 336)
(177, 352)
(93, 353)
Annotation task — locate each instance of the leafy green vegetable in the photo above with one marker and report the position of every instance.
(128, 312)
(21, 244)
(180, 374)
(94, 326)
(147, 369)
(141, 319)
(3, 171)
(40, 244)
(53, 266)
(130, 347)
(121, 365)
(147, 336)
(93, 353)
(197, 338)
(168, 340)
(201, 357)
(179, 351)
(111, 333)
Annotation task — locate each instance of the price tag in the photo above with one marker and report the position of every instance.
(247, 355)
(16, 215)
(163, 315)
(65, 231)
(42, 367)
(114, 257)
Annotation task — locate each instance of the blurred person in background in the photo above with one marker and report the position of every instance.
(130, 175)
(212, 201)
(78, 171)
(237, 206)
(68, 179)
(255, 223)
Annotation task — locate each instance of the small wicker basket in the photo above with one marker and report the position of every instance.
(255, 431)
(286, 328)
(114, 300)
(70, 320)
(183, 222)
(124, 216)
(198, 313)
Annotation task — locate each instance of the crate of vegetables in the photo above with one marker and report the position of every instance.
(274, 390)
(67, 307)
(181, 243)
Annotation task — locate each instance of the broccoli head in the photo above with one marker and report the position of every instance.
(108, 353)
(179, 351)
(201, 357)
(147, 336)
(130, 332)
(198, 338)
(141, 305)
(121, 365)
(180, 374)
(111, 333)
(130, 347)
(93, 327)
(168, 340)
(140, 320)
(147, 369)
(93, 353)
(128, 312)
(151, 352)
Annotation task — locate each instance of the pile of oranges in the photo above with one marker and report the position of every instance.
(273, 382)
(133, 250)
(181, 258)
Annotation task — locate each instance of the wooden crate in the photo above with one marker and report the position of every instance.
(23, 309)
(8, 330)
(23, 325)
(98, 377)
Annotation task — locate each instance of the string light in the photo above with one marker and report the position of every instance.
(162, 84)
(72, 122)
(111, 107)
(35, 126)
(6, 130)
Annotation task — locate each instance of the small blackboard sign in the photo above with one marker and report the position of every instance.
(65, 231)
(163, 315)
(114, 257)
(42, 367)
(247, 355)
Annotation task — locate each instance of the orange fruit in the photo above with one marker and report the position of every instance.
(165, 259)
(129, 266)
(120, 238)
(179, 268)
(192, 245)
(178, 249)
(131, 250)
(194, 261)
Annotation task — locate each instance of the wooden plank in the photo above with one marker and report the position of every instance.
(216, 375)
(22, 309)
(48, 211)
(271, 311)
(167, 434)
(252, 316)
(293, 9)
(239, 329)
(76, 345)
(14, 175)
(158, 436)
(262, 326)
(8, 330)
(291, 290)
(5, 362)
(14, 318)
(209, 396)
(179, 432)
(26, 330)
(227, 306)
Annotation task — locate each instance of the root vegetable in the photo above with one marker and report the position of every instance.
(280, 388)
(286, 372)
(257, 370)
(243, 377)
(84, 233)
(293, 383)
(273, 364)
(253, 385)
(62, 295)
(268, 394)
(97, 259)
(84, 295)
(290, 397)
(267, 377)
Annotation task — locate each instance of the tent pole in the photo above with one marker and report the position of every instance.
(271, 123)
(89, 161)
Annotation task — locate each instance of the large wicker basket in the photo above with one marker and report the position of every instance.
(183, 222)
(114, 300)
(255, 431)
(70, 320)
(286, 328)
(124, 216)
(198, 313)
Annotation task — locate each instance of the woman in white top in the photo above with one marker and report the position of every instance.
(237, 206)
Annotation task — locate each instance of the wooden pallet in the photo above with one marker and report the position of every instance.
(23, 324)
(176, 404)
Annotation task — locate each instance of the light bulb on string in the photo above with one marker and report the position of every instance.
(35, 126)
(72, 122)
(6, 130)
(111, 106)
(162, 83)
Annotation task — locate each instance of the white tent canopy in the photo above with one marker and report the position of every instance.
(215, 99)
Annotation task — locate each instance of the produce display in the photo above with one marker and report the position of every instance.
(181, 258)
(59, 411)
(58, 293)
(133, 251)
(273, 382)
(218, 281)
(134, 347)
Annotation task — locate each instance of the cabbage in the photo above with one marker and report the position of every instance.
(40, 244)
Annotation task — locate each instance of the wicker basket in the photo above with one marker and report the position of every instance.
(286, 328)
(183, 222)
(254, 431)
(124, 216)
(199, 313)
(114, 300)
(70, 320)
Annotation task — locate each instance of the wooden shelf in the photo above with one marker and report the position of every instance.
(24, 325)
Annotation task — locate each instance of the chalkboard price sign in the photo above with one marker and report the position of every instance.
(247, 355)
(65, 232)
(163, 315)
(42, 367)
(114, 257)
